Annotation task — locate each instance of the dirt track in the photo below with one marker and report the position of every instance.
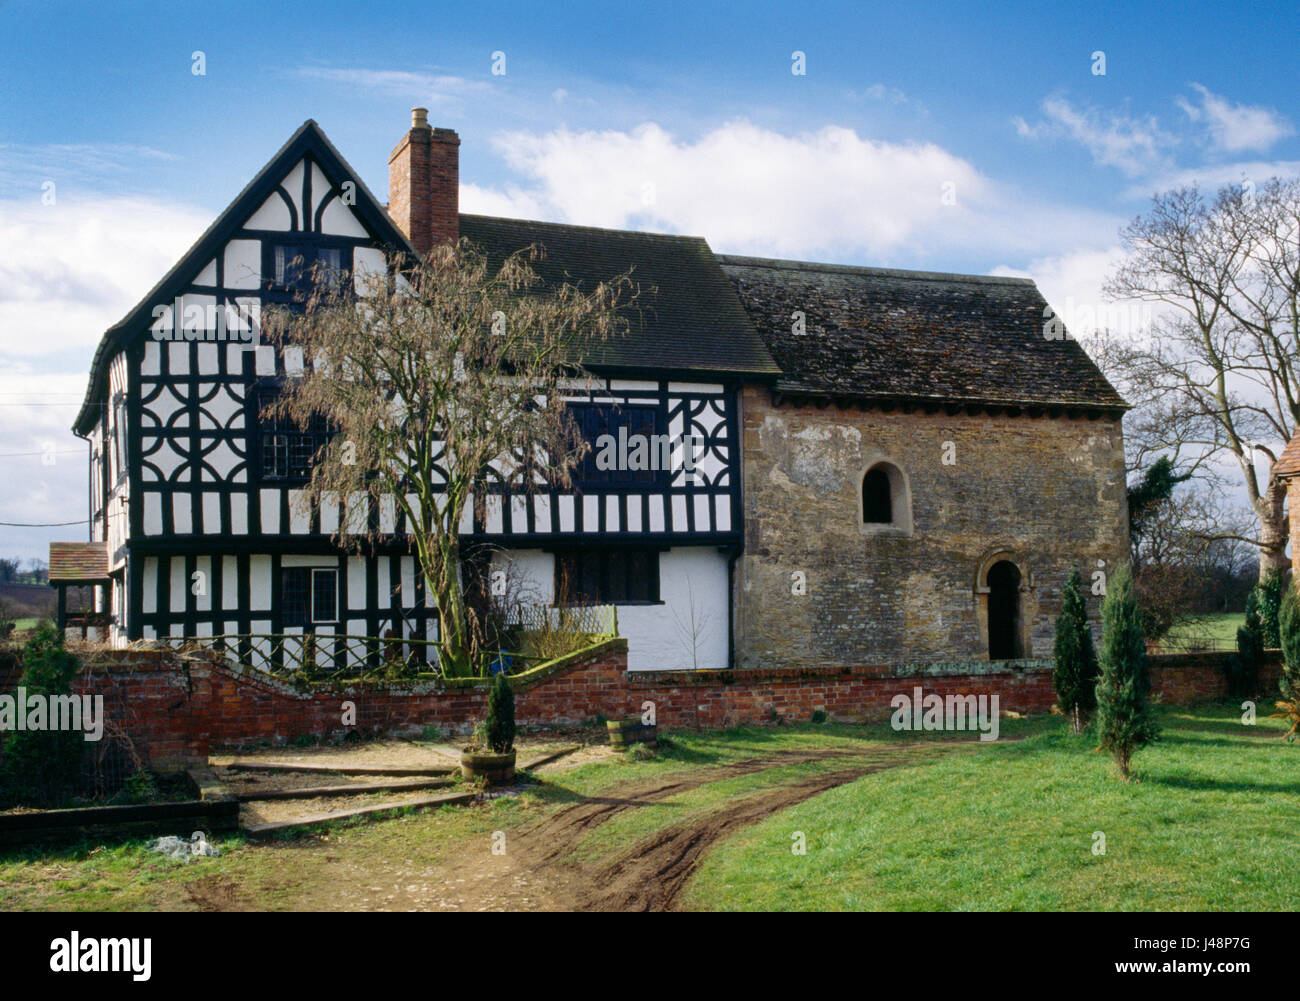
(650, 875)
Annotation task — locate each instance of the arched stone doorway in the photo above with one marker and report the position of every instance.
(1004, 611)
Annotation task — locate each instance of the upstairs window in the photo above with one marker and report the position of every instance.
(289, 451)
(886, 501)
(607, 576)
(628, 448)
(309, 596)
(294, 265)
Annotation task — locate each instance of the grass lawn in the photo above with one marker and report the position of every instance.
(1209, 823)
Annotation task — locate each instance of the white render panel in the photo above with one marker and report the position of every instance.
(243, 264)
(272, 214)
(203, 597)
(722, 522)
(153, 514)
(150, 584)
(679, 513)
(656, 503)
(151, 362)
(211, 512)
(568, 512)
(259, 587)
(270, 504)
(365, 261)
(659, 637)
(239, 514)
(208, 276)
(230, 584)
(176, 600)
(339, 220)
(181, 513)
(357, 585)
(299, 512)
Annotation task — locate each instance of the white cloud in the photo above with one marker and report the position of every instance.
(1072, 285)
(1235, 128)
(752, 190)
(70, 270)
(1134, 144)
(434, 88)
(1213, 176)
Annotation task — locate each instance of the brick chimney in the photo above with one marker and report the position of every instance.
(424, 184)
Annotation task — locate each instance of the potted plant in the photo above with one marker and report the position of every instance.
(492, 755)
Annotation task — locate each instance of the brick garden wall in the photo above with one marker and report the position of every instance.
(178, 710)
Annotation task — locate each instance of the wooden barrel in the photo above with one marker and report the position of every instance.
(495, 769)
(623, 733)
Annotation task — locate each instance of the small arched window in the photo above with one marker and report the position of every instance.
(877, 497)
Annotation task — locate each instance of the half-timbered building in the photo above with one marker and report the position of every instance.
(199, 499)
(888, 465)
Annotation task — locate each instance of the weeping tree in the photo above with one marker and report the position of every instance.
(1075, 674)
(1125, 720)
(440, 379)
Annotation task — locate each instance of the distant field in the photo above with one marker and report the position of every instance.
(1217, 632)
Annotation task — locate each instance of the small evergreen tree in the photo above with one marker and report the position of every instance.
(501, 716)
(40, 767)
(1289, 628)
(1270, 591)
(1125, 720)
(1250, 650)
(1075, 674)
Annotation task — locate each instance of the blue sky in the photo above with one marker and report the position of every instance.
(674, 117)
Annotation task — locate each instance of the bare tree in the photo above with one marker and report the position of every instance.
(443, 380)
(1217, 375)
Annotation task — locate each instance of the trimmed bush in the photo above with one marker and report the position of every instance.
(1075, 674)
(1289, 640)
(41, 767)
(1243, 674)
(500, 726)
(1125, 721)
(1271, 590)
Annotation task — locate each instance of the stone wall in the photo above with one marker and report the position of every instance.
(1043, 492)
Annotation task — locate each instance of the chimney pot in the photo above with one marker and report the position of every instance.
(419, 118)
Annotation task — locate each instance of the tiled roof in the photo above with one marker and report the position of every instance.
(1288, 463)
(686, 319)
(877, 333)
(75, 562)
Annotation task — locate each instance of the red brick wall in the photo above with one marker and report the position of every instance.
(177, 709)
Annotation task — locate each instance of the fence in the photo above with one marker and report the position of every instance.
(338, 656)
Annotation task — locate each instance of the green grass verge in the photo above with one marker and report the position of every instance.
(1209, 824)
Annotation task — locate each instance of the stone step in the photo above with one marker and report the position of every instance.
(447, 799)
(340, 769)
(358, 789)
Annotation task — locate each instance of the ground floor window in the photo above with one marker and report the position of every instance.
(607, 576)
(309, 595)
